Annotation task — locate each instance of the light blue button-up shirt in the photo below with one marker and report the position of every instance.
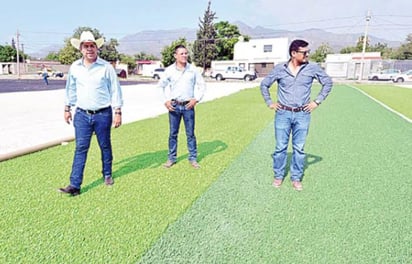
(93, 87)
(182, 85)
(294, 91)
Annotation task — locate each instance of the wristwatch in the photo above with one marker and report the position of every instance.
(317, 102)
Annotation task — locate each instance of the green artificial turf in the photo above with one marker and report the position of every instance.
(355, 206)
(118, 224)
(397, 98)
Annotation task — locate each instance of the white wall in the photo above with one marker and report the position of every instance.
(254, 51)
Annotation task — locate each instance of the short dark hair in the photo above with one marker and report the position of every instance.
(180, 46)
(296, 44)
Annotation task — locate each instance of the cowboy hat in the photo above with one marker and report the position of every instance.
(86, 36)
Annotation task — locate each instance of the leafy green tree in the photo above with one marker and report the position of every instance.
(168, 51)
(404, 52)
(358, 47)
(227, 36)
(52, 56)
(129, 60)
(321, 52)
(144, 56)
(204, 47)
(7, 54)
(68, 54)
(386, 52)
(109, 52)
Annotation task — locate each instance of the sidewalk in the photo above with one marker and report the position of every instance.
(34, 120)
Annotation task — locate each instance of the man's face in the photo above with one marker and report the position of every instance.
(301, 55)
(181, 55)
(89, 50)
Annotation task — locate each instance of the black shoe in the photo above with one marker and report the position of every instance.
(70, 190)
(108, 181)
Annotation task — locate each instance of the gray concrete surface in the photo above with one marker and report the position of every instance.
(31, 121)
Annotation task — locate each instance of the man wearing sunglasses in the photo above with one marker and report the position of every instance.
(293, 108)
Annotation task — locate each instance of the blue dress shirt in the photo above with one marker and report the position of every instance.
(182, 85)
(294, 91)
(93, 87)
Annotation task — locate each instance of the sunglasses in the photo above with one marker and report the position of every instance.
(306, 52)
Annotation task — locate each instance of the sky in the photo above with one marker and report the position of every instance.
(50, 22)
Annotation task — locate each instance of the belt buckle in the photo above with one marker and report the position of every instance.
(91, 112)
(297, 109)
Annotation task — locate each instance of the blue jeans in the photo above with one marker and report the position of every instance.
(175, 118)
(45, 78)
(85, 124)
(297, 124)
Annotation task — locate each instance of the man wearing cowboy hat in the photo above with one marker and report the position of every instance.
(92, 86)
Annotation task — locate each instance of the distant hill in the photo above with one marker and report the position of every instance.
(153, 41)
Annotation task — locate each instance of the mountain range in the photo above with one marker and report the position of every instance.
(153, 41)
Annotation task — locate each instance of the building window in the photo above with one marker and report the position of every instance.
(263, 65)
(267, 48)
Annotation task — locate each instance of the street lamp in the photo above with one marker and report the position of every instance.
(368, 18)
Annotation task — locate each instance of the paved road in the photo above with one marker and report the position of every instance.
(25, 85)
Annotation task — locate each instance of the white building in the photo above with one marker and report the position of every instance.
(348, 66)
(258, 54)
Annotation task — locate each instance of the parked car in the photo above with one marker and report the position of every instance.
(383, 75)
(403, 77)
(233, 72)
(158, 73)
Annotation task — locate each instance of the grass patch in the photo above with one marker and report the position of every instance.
(355, 207)
(393, 96)
(118, 224)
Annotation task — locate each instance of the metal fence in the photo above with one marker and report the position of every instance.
(402, 65)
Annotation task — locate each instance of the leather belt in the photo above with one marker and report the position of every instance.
(180, 102)
(292, 109)
(92, 112)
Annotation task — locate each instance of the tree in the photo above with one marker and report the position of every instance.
(7, 54)
(227, 36)
(168, 51)
(386, 52)
(52, 56)
(109, 52)
(129, 60)
(358, 47)
(404, 52)
(204, 46)
(321, 52)
(68, 54)
(144, 56)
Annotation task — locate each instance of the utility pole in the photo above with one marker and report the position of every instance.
(18, 57)
(24, 64)
(368, 18)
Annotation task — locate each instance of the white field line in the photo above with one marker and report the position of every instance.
(382, 104)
